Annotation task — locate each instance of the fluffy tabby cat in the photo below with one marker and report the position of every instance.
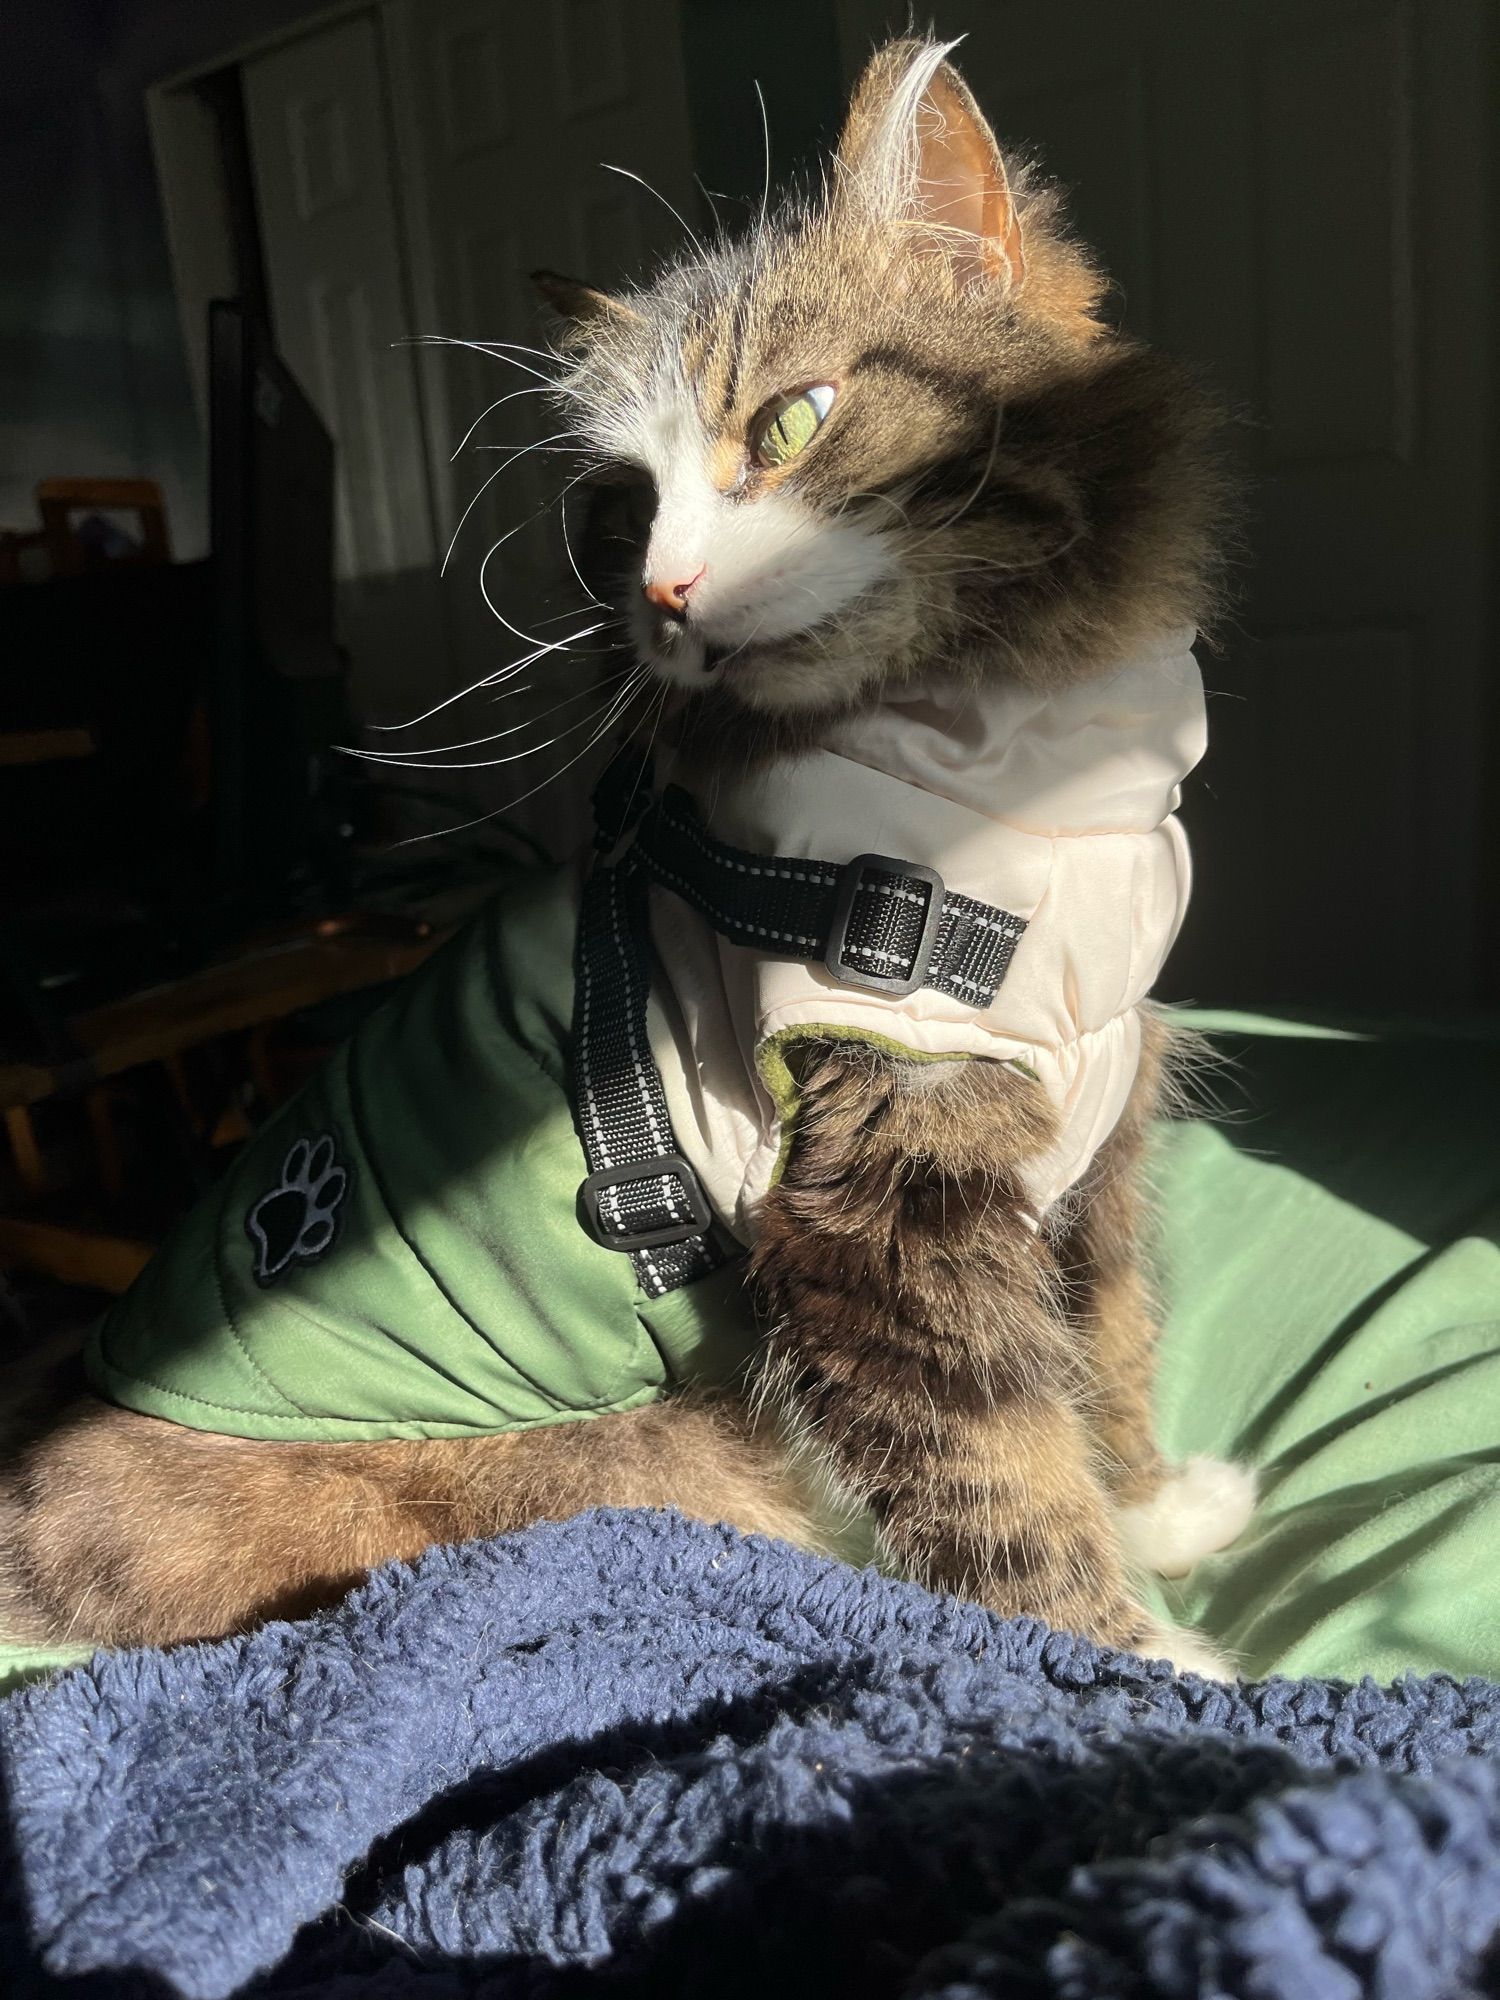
(888, 435)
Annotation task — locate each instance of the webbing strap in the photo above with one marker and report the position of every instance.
(641, 1195)
(876, 922)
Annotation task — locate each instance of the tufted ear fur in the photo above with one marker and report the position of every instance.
(916, 153)
(577, 304)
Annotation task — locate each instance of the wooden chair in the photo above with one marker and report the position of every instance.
(274, 977)
(61, 501)
(25, 555)
(56, 548)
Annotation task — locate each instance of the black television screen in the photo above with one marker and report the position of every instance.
(276, 696)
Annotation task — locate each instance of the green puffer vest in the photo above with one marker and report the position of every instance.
(397, 1254)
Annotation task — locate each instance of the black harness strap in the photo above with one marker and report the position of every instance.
(877, 923)
(641, 1196)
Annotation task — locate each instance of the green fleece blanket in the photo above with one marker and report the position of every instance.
(1331, 1267)
(1331, 1264)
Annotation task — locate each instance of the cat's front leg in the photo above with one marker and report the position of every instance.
(916, 1342)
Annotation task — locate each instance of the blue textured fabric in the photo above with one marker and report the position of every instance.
(633, 1755)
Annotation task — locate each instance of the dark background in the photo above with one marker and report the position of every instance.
(1299, 197)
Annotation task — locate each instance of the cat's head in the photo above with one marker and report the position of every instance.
(886, 432)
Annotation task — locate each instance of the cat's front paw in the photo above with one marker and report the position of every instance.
(1196, 1511)
(1186, 1651)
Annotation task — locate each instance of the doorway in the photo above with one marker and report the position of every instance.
(408, 165)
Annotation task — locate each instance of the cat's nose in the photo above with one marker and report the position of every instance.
(670, 596)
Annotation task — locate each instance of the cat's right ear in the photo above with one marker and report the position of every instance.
(917, 156)
(579, 306)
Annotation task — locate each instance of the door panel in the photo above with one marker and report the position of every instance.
(413, 164)
(1099, 120)
(1291, 194)
(501, 178)
(331, 230)
(1338, 357)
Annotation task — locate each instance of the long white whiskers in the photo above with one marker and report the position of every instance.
(503, 466)
(388, 728)
(494, 348)
(479, 819)
(562, 515)
(492, 679)
(765, 126)
(553, 646)
(681, 219)
(556, 617)
(511, 756)
(541, 390)
(708, 195)
(474, 742)
(526, 638)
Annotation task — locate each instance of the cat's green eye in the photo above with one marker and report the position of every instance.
(792, 425)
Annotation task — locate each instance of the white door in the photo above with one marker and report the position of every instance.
(413, 164)
(339, 275)
(1291, 193)
(505, 116)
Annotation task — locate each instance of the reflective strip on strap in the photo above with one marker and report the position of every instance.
(619, 1101)
(790, 909)
(877, 924)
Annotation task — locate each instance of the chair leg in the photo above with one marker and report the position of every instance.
(176, 1071)
(106, 1143)
(27, 1154)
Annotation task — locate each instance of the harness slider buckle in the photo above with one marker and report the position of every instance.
(855, 962)
(608, 1232)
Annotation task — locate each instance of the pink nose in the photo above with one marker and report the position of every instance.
(670, 597)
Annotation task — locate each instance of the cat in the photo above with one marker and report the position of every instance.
(883, 449)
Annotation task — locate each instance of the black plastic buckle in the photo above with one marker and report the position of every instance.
(644, 1170)
(849, 891)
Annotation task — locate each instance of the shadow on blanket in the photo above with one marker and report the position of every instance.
(636, 1755)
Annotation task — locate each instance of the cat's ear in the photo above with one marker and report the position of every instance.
(577, 304)
(917, 154)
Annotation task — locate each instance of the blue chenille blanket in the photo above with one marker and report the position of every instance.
(632, 1755)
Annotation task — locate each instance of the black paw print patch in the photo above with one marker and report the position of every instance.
(297, 1220)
